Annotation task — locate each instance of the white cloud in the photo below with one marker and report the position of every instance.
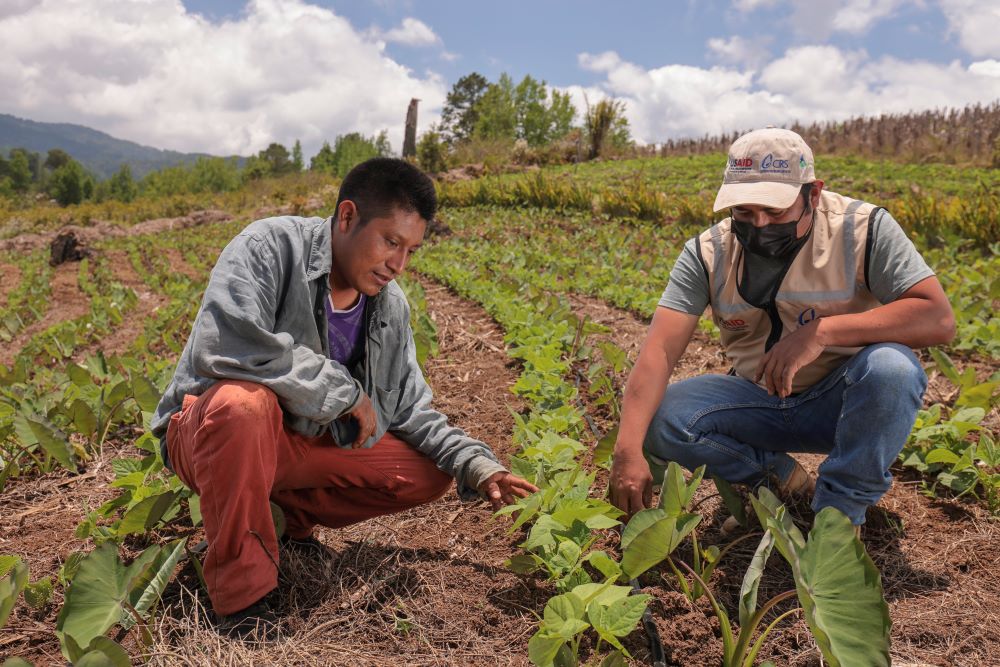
(412, 32)
(989, 67)
(857, 16)
(976, 23)
(806, 84)
(739, 51)
(746, 6)
(151, 72)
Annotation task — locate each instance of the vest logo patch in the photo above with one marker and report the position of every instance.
(807, 316)
(735, 324)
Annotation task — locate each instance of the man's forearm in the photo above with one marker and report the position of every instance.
(914, 322)
(643, 394)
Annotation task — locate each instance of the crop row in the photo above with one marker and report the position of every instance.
(569, 518)
(628, 265)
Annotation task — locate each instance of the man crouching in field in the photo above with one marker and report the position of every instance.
(818, 299)
(299, 384)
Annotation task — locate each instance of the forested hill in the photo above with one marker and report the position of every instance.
(99, 152)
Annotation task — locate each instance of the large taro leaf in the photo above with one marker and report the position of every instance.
(104, 587)
(840, 590)
(774, 517)
(101, 652)
(751, 580)
(677, 494)
(11, 585)
(146, 590)
(651, 536)
(145, 393)
(53, 442)
(147, 513)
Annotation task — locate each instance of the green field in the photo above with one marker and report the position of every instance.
(89, 347)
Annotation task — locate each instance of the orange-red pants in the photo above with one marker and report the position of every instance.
(231, 447)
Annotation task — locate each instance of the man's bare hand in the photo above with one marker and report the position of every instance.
(501, 488)
(788, 356)
(631, 483)
(364, 413)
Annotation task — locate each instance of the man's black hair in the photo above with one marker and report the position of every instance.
(381, 184)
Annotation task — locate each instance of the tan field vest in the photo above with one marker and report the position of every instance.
(827, 277)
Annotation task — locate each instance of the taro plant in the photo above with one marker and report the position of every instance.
(837, 584)
(105, 593)
(150, 496)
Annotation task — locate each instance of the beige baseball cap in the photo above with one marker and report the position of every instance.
(767, 168)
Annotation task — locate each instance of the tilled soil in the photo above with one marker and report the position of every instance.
(428, 587)
(10, 277)
(66, 302)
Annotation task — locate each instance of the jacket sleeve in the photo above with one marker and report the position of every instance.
(234, 338)
(468, 460)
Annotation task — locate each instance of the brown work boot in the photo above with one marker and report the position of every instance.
(800, 485)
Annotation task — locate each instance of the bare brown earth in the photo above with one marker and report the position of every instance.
(10, 276)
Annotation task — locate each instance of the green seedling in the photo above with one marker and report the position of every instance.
(105, 592)
(607, 608)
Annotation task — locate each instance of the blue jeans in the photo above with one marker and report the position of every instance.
(859, 416)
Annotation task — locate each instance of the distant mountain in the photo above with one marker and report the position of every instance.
(99, 152)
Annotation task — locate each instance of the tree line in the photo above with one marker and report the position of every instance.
(27, 175)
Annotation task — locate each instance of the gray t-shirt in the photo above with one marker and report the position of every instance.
(894, 267)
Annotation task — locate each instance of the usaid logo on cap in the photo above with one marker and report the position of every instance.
(740, 163)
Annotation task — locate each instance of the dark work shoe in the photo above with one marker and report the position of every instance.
(256, 623)
(306, 547)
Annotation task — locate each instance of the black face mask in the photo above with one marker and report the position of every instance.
(774, 241)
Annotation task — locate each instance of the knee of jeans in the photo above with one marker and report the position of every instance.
(667, 431)
(896, 368)
(242, 400)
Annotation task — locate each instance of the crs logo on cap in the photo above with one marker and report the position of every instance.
(768, 163)
(807, 316)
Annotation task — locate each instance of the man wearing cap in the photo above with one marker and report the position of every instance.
(819, 299)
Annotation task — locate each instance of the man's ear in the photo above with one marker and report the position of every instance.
(817, 190)
(347, 216)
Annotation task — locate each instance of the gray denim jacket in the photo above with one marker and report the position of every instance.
(263, 320)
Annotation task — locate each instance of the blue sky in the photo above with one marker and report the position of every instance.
(230, 77)
(543, 37)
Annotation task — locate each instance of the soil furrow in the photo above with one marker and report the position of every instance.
(67, 302)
